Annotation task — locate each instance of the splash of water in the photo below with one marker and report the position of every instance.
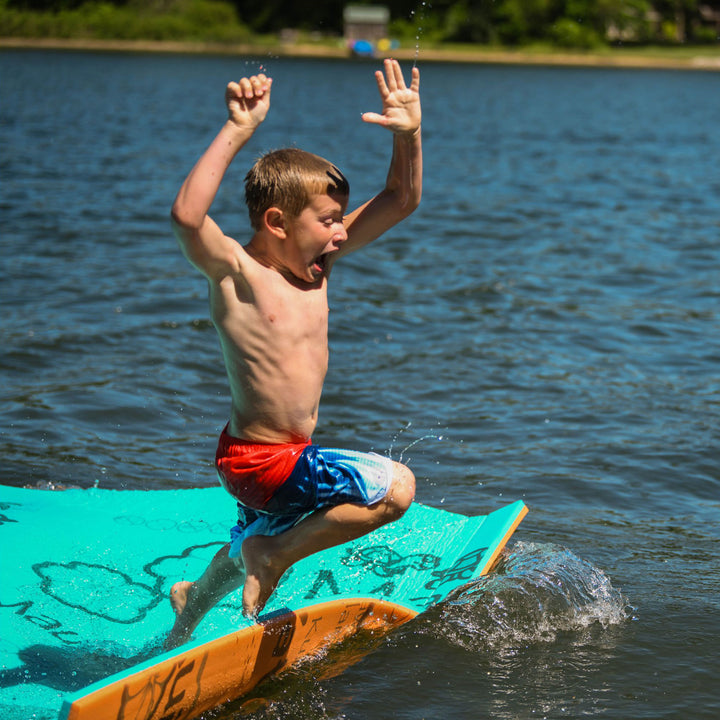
(419, 15)
(412, 444)
(255, 66)
(536, 592)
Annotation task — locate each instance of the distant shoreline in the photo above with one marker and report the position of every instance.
(614, 58)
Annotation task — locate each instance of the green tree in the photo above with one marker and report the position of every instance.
(269, 16)
(569, 23)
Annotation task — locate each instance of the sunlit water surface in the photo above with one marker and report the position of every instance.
(545, 327)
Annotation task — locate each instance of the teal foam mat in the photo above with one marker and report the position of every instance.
(86, 576)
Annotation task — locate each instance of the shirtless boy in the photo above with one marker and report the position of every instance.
(269, 305)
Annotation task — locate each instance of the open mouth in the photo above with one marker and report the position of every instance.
(321, 263)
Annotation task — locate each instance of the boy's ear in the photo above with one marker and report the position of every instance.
(274, 220)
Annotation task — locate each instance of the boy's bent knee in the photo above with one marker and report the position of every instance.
(402, 490)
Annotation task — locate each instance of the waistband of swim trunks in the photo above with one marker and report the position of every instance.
(227, 442)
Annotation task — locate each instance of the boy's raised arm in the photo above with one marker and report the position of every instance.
(401, 114)
(202, 241)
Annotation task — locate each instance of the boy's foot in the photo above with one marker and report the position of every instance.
(184, 625)
(179, 595)
(262, 573)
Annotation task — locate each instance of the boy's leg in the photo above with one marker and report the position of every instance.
(266, 558)
(269, 557)
(192, 600)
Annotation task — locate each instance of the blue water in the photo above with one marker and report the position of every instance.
(545, 327)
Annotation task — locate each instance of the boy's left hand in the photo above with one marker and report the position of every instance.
(401, 104)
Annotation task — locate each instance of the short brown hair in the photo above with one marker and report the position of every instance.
(287, 179)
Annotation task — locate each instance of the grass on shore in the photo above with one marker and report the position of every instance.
(213, 26)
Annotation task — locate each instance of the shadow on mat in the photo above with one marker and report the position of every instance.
(66, 669)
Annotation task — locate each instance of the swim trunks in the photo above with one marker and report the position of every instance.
(252, 472)
(278, 485)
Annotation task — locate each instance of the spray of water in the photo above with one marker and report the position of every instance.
(536, 592)
(419, 17)
(402, 453)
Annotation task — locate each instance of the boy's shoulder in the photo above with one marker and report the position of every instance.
(264, 273)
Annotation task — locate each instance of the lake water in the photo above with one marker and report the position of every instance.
(545, 327)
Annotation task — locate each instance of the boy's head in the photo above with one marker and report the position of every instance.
(288, 179)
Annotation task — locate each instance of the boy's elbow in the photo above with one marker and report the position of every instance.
(184, 231)
(181, 218)
(416, 198)
(410, 202)
(404, 200)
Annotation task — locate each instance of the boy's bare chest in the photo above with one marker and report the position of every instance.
(278, 312)
(294, 307)
(293, 311)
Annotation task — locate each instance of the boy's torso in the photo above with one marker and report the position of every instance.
(274, 337)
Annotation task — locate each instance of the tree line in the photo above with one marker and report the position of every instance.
(566, 23)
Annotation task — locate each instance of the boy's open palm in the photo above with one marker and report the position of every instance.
(401, 104)
(248, 100)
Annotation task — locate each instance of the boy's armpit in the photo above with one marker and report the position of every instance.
(212, 252)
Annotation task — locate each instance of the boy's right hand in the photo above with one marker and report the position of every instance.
(248, 100)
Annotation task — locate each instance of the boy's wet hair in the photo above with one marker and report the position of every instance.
(288, 179)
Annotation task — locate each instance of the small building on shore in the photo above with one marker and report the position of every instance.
(368, 23)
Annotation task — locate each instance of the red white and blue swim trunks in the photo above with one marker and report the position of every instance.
(277, 485)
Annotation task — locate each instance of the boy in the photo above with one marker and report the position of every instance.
(269, 305)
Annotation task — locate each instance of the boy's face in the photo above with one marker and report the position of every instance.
(315, 235)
